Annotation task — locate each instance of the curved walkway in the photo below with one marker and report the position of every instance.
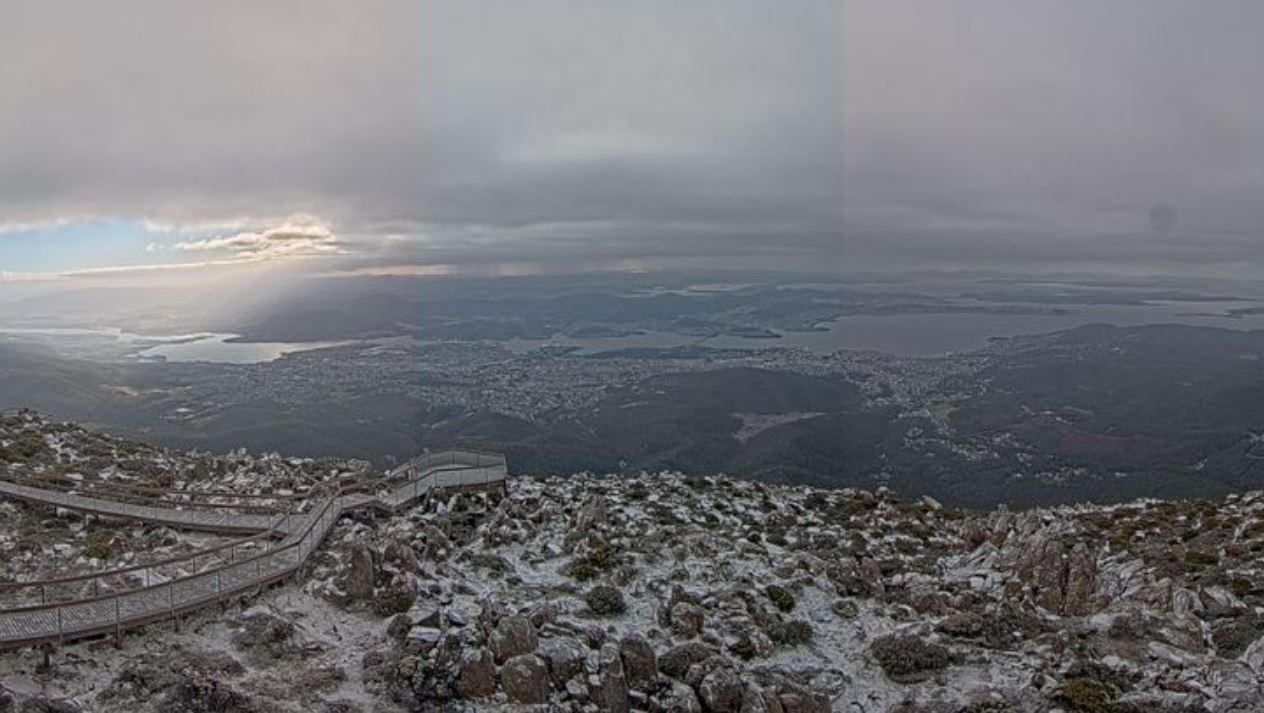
(212, 582)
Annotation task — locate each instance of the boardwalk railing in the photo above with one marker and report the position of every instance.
(115, 612)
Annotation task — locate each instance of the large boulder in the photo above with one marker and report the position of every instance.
(565, 658)
(722, 691)
(680, 698)
(593, 513)
(525, 679)
(640, 665)
(611, 693)
(476, 674)
(794, 698)
(513, 636)
(687, 620)
(1081, 582)
(1059, 582)
(358, 578)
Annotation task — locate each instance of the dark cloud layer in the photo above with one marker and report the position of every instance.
(465, 130)
(986, 132)
(208, 111)
(869, 133)
(606, 128)
(643, 125)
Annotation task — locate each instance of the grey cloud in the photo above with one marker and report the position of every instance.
(674, 124)
(987, 131)
(203, 111)
(700, 128)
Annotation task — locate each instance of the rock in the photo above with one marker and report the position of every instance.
(594, 636)
(358, 579)
(611, 692)
(1235, 687)
(722, 692)
(1061, 583)
(680, 699)
(687, 620)
(565, 658)
(640, 665)
(42, 704)
(576, 690)
(797, 699)
(399, 626)
(1081, 582)
(525, 679)
(422, 639)
(476, 675)
(755, 701)
(544, 614)
(427, 616)
(593, 513)
(1218, 602)
(1185, 603)
(871, 574)
(513, 636)
(401, 555)
(1047, 574)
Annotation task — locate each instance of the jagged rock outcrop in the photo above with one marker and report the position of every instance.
(1058, 581)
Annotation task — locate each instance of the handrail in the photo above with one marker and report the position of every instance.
(157, 492)
(31, 584)
(91, 615)
(170, 582)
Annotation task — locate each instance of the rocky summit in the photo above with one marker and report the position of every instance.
(658, 593)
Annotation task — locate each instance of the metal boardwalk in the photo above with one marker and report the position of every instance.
(215, 578)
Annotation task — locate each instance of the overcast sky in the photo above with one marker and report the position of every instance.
(418, 135)
(439, 135)
(640, 129)
(1123, 135)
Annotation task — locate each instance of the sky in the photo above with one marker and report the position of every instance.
(1117, 136)
(142, 133)
(141, 136)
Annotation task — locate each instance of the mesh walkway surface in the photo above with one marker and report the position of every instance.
(115, 612)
